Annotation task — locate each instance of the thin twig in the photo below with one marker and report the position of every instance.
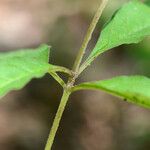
(70, 84)
(54, 68)
(88, 35)
(58, 79)
(57, 119)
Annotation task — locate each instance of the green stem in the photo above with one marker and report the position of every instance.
(54, 68)
(89, 35)
(73, 75)
(58, 79)
(57, 119)
(86, 64)
(95, 20)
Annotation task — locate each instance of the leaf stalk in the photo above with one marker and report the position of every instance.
(58, 79)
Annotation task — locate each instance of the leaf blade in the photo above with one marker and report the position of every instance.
(135, 89)
(129, 25)
(19, 67)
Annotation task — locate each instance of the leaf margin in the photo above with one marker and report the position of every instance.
(135, 100)
(44, 50)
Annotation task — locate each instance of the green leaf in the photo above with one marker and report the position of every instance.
(19, 67)
(147, 2)
(130, 24)
(135, 89)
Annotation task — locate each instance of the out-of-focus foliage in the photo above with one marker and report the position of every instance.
(140, 54)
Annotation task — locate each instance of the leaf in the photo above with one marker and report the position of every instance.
(19, 67)
(130, 24)
(147, 2)
(135, 89)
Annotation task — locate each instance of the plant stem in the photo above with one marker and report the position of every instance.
(73, 75)
(58, 79)
(57, 119)
(89, 35)
(54, 68)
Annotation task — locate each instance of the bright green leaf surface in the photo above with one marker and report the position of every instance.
(130, 24)
(19, 67)
(135, 89)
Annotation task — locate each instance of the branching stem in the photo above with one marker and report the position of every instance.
(73, 75)
(58, 79)
(54, 68)
(88, 35)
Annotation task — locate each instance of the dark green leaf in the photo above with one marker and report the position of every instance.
(147, 2)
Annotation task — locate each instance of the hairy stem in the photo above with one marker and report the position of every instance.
(89, 35)
(54, 68)
(57, 119)
(73, 75)
(58, 79)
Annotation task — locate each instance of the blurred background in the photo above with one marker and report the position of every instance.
(92, 120)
